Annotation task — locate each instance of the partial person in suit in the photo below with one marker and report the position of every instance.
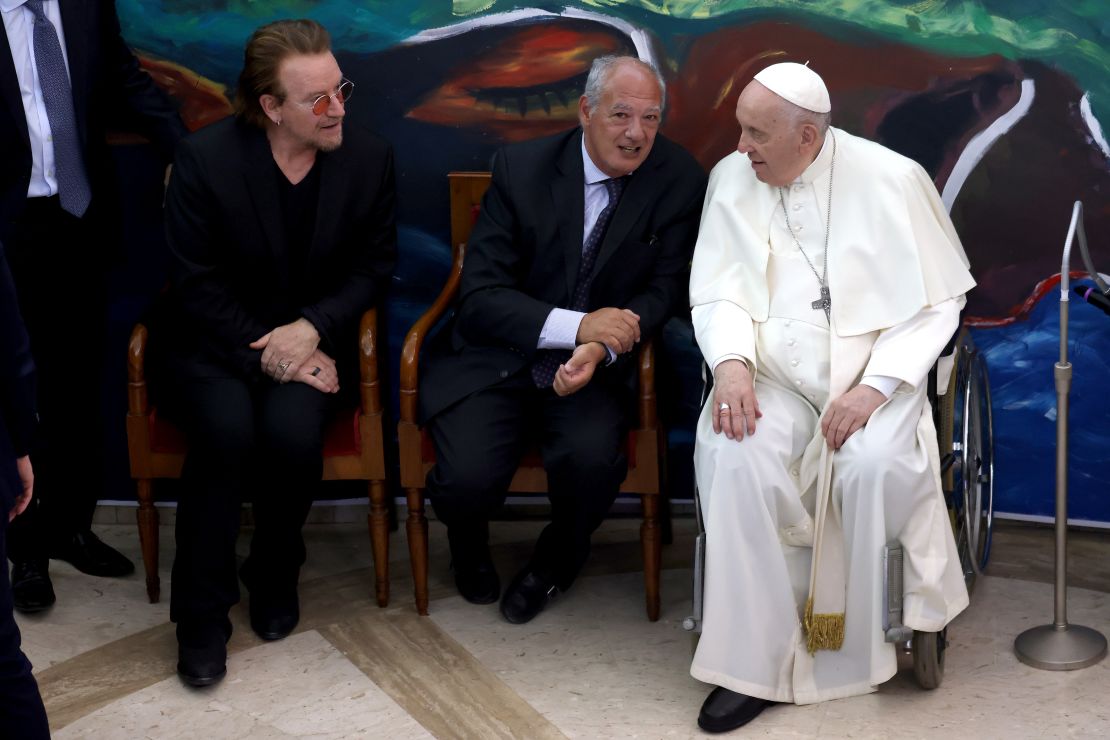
(582, 247)
(280, 223)
(22, 714)
(65, 76)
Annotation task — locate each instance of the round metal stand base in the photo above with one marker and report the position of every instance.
(1066, 648)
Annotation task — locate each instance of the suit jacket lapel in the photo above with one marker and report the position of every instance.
(568, 194)
(76, 30)
(638, 192)
(9, 90)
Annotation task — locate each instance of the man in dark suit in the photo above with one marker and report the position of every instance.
(582, 247)
(65, 73)
(21, 712)
(281, 230)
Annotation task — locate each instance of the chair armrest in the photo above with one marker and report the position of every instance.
(370, 393)
(410, 352)
(137, 402)
(645, 370)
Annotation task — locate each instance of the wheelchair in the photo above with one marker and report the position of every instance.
(960, 397)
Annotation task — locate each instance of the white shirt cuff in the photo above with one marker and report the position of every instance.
(882, 383)
(560, 330)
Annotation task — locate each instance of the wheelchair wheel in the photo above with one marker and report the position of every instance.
(965, 435)
(928, 657)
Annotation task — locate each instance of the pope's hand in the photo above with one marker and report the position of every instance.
(848, 414)
(735, 407)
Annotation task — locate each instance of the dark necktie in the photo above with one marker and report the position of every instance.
(73, 184)
(548, 360)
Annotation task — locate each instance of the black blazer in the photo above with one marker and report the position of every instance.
(230, 266)
(109, 89)
(522, 260)
(17, 392)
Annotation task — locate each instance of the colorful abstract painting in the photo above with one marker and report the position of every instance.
(1000, 100)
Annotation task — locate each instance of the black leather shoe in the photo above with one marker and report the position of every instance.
(32, 590)
(726, 710)
(88, 554)
(526, 597)
(274, 617)
(477, 583)
(201, 654)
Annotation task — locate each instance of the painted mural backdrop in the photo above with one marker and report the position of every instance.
(1000, 100)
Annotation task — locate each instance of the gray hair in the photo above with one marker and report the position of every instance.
(603, 67)
(800, 116)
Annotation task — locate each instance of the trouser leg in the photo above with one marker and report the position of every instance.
(218, 418)
(290, 422)
(478, 445)
(583, 447)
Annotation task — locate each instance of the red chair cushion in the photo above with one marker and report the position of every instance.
(341, 437)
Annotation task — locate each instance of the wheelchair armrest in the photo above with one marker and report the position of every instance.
(370, 394)
(645, 371)
(410, 351)
(138, 403)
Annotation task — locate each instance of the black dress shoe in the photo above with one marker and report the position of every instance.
(477, 583)
(526, 597)
(274, 617)
(32, 590)
(726, 710)
(88, 554)
(201, 654)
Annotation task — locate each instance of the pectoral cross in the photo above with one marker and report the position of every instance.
(824, 302)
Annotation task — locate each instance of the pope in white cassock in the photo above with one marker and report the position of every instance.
(826, 281)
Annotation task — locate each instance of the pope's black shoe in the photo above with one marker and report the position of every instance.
(526, 597)
(32, 590)
(726, 710)
(88, 554)
(274, 616)
(201, 653)
(477, 582)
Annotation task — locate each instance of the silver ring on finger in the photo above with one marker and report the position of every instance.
(724, 407)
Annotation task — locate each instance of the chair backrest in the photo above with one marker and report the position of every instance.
(467, 189)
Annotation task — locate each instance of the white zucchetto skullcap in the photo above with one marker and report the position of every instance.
(797, 83)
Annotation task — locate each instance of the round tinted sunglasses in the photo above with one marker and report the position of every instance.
(342, 94)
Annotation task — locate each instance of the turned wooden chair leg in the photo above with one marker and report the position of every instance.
(378, 521)
(417, 528)
(148, 538)
(652, 545)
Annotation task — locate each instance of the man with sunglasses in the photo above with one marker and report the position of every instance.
(281, 232)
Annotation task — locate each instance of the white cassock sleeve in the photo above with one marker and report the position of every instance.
(909, 350)
(724, 331)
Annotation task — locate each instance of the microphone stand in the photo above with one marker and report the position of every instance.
(1061, 646)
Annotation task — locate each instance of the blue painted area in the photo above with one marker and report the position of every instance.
(1021, 357)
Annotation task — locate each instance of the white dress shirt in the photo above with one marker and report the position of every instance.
(19, 24)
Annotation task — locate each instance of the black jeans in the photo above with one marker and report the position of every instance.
(261, 440)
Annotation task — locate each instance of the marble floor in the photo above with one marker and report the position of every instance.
(591, 666)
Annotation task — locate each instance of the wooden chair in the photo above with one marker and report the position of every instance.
(645, 442)
(353, 450)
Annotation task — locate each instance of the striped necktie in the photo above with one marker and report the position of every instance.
(548, 360)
